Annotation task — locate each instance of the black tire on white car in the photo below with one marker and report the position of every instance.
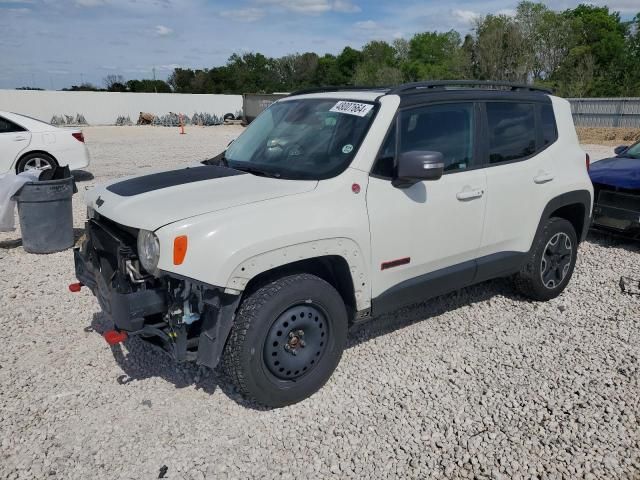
(287, 340)
(551, 262)
(36, 161)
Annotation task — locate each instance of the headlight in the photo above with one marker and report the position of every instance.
(148, 250)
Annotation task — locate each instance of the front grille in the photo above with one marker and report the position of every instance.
(113, 244)
(128, 234)
(624, 201)
(107, 238)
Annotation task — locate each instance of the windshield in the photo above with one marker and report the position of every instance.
(302, 139)
(633, 151)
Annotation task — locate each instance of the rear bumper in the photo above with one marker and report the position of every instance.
(76, 158)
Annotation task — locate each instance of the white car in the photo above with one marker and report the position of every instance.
(333, 207)
(27, 143)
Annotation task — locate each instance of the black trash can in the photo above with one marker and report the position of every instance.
(46, 215)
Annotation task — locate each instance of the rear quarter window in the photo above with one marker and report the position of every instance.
(512, 131)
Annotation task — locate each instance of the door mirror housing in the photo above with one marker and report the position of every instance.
(620, 149)
(418, 165)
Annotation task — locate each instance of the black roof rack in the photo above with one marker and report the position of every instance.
(420, 87)
(428, 85)
(344, 88)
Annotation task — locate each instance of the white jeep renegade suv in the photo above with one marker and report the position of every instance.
(333, 207)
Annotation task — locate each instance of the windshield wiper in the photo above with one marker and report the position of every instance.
(219, 159)
(257, 171)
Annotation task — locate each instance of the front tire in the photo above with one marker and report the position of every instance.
(551, 262)
(287, 340)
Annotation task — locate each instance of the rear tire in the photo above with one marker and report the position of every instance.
(287, 340)
(551, 262)
(36, 161)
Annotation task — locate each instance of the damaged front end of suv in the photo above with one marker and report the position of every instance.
(186, 318)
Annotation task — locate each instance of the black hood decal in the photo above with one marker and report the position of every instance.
(157, 181)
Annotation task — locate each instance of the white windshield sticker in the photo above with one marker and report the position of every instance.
(352, 108)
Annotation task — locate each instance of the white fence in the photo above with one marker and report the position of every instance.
(103, 108)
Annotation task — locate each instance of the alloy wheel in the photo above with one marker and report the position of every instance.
(37, 163)
(556, 260)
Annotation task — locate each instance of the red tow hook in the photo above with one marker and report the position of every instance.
(75, 287)
(114, 337)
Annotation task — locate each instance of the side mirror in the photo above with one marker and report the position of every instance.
(620, 149)
(416, 166)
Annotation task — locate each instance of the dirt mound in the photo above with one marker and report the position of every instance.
(608, 135)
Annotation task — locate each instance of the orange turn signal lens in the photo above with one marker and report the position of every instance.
(179, 249)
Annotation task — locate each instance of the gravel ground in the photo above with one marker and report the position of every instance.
(480, 383)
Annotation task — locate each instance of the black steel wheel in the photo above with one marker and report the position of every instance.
(296, 341)
(552, 259)
(287, 339)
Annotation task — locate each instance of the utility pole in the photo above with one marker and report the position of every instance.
(155, 87)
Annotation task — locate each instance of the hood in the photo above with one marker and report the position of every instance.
(152, 201)
(619, 172)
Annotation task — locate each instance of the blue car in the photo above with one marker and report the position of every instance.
(616, 183)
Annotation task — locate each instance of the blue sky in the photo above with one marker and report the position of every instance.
(56, 43)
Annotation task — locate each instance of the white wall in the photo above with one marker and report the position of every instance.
(103, 108)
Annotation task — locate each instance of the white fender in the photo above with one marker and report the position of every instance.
(342, 247)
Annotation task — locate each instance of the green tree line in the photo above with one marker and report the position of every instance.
(580, 52)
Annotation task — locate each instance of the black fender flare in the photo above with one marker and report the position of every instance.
(576, 197)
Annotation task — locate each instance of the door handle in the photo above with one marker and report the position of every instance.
(469, 194)
(543, 177)
(19, 139)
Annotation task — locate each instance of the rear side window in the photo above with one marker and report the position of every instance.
(9, 127)
(549, 128)
(512, 132)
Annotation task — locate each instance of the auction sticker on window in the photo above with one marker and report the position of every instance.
(352, 108)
